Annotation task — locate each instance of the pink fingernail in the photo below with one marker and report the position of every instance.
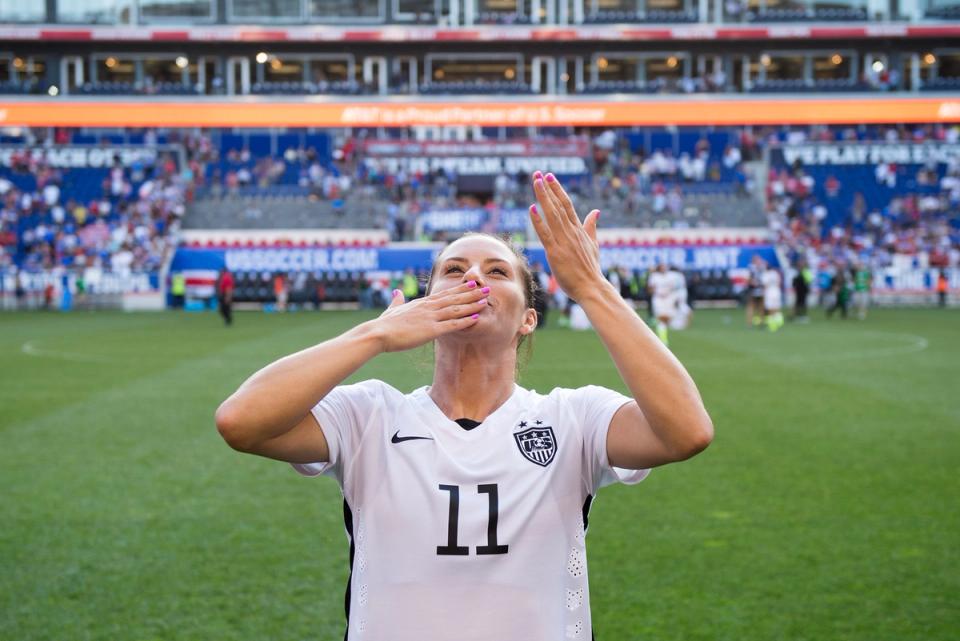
(482, 301)
(598, 214)
(537, 175)
(550, 178)
(533, 209)
(538, 182)
(485, 290)
(396, 292)
(475, 316)
(471, 283)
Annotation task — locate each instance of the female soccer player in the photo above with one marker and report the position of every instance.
(466, 502)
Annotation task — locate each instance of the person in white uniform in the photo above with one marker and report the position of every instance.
(662, 300)
(466, 501)
(772, 297)
(682, 312)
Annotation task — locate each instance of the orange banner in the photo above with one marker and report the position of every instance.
(691, 110)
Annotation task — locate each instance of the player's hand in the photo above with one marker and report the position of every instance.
(404, 326)
(571, 246)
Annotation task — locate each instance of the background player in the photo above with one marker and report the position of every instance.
(682, 314)
(772, 296)
(660, 285)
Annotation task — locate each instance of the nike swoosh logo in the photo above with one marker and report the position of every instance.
(400, 439)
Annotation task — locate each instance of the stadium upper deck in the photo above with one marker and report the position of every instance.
(375, 48)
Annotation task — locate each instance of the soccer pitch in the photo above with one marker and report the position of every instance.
(826, 508)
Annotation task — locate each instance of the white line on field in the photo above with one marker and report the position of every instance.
(30, 349)
(915, 344)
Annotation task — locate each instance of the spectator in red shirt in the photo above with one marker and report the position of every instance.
(225, 286)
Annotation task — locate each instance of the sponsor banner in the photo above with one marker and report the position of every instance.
(421, 257)
(724, 257)
(94, 282)
(81, 156)
(302, 259)
(893, 280)
(197, 111)
(863, 153)
(460, 220)
(546, 147)
(480, 165)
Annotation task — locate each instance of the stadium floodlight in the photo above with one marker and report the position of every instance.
(262, 57)
(182, 62)
(877, 66)
(53, 90)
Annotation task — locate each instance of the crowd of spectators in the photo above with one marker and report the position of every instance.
(126, 226)
(918, 226)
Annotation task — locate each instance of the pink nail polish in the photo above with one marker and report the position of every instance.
(537, 174)
(485, 290)
(396, 292)
(598, 215)
(482, 301)
(533, 209)
(538, 182)
(471, 283)
(475, 316)
(550, 178)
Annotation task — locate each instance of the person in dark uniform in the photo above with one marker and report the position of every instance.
(225, 286)
(801, 289)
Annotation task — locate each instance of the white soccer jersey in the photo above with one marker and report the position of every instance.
(661, 284)
(469, 535)
(679, 285)
(772, 296)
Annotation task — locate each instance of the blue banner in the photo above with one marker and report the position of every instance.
(394, 259)
(461, 220)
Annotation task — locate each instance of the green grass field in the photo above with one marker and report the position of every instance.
(826, 508)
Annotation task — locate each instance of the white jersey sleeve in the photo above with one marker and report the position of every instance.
(594, 408)
(342, 415)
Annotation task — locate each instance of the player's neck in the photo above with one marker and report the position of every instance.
(468, 384)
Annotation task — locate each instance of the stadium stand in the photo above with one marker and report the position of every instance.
(121, 218)
(394, 56)
(879, 214)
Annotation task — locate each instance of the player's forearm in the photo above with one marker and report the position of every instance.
(661, 386)
(272, 401)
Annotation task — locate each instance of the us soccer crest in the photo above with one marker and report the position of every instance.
(537, 444)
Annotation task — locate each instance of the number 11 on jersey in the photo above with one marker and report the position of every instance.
(452, 548)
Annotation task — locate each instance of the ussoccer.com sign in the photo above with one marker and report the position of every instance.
(301, 260)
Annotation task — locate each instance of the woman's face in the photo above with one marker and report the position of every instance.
(492, 264)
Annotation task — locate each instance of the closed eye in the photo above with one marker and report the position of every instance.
(497, 270)
(453, 268)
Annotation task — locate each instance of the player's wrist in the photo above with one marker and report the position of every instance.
(597, 290)
(371, 337)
